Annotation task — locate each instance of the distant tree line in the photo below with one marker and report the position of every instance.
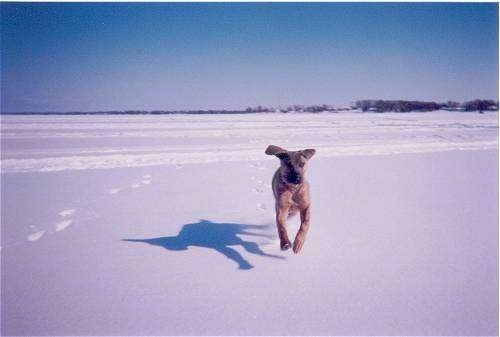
(480, 105)
(134, 112)
(367, 105)
(407, 106)
(297, 108)
(396, 106)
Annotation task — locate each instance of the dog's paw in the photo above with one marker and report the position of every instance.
(286, 245)
(298, 243)
(297, 246)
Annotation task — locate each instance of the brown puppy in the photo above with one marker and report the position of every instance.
(291, 191)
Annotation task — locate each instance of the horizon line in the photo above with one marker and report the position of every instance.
(263, 108)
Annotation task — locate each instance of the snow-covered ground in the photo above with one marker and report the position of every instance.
(164, 225)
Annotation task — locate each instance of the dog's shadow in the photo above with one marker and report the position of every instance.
(217, 236)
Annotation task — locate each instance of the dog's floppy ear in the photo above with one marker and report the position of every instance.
(274, 150)
(282, 155)
(308, 153)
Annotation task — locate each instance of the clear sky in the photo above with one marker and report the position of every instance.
(106, 56)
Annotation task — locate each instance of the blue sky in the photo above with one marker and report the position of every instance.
(106, 56)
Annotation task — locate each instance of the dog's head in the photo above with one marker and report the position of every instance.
(293, 163)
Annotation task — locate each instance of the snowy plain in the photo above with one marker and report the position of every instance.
(164, 225)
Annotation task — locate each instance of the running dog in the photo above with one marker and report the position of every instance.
(291, 192)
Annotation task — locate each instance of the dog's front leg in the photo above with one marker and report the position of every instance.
(281, 216)
(305, 221)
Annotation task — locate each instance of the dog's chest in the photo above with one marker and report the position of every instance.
(293, 195)
(301, 196)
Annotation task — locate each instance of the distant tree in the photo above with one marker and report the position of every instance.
(381, 106)
(364, 105)
(480, 105)
(297, 107)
